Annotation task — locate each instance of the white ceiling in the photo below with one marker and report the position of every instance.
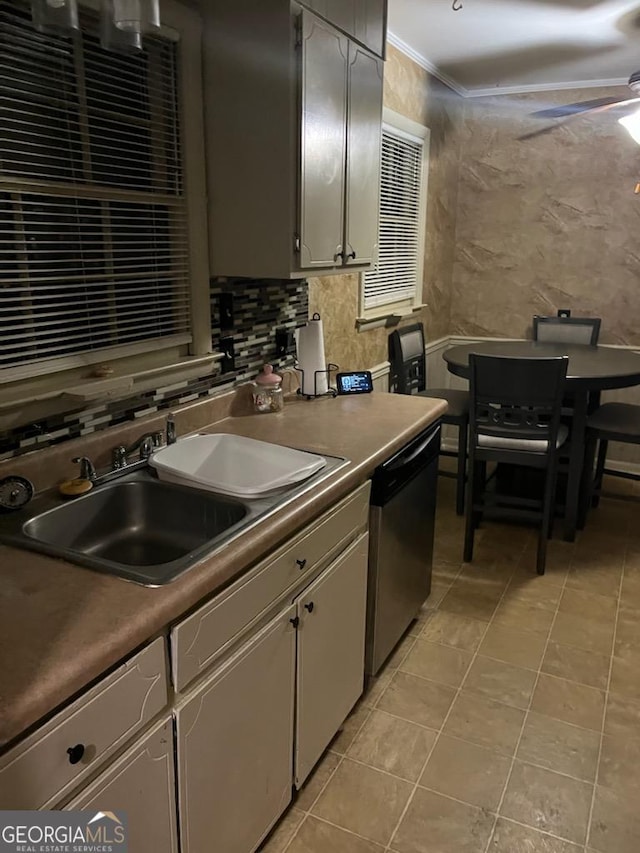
(520, 45)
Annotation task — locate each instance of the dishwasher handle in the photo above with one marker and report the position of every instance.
(390, 477)
(408, 455)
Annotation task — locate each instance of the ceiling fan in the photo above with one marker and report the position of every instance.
(627, 108)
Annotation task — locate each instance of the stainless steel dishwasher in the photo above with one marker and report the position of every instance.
(402, 516)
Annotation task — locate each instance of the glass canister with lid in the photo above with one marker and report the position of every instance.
(267, 391)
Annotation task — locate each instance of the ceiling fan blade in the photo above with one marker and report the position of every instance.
(540, 131)
(576, 109)
(624, 107)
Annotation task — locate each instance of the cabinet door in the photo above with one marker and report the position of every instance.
(234, 738)
(370, 24)
(342, 13)
(330, 653)
(323, 142)
(142, 784)
(363, 156)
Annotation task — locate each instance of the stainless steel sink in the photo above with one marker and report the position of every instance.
(139, 528)
(142, 523)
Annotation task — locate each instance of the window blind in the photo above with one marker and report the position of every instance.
(93, 220)
(394, 277)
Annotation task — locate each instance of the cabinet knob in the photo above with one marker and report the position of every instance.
(295, 621)
(301, 564)
(309, 606)
(75, 753)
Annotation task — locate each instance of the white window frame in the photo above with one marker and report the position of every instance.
(20, 386)
(401, 126)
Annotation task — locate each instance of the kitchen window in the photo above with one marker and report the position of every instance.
(394, 285)
(99, 252)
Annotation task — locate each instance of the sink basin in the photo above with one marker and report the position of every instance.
(142, 523)
(140, 528)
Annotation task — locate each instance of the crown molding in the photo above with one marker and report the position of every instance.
(420, 60)
(423, 62)
(545, 87)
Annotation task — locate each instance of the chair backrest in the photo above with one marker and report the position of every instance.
(516, 398)
(407, 359)
(567, 330)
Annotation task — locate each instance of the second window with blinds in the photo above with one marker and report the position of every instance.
(394, 285)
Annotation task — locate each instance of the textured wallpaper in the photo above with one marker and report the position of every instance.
(545, 223)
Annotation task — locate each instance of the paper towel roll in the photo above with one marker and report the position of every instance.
(310, 347)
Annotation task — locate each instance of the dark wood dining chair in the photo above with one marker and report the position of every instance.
(566, 330)
(581, 331)
(409, 376)
(609, 422)
(514, 418)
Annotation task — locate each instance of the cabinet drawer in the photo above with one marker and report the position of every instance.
(38, 771)
(207, 633)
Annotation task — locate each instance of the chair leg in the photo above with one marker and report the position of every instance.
(547, 516)
(588, 480)
(597, 484)
(462, 468)
(470, 519)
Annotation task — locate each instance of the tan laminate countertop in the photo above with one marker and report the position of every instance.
(62, 626)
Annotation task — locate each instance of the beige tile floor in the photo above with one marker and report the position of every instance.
(508, 718)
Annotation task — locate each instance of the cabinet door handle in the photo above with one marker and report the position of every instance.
(295, 621)
(309, 606)
(75, 753)
(301, 564)
(351, 255)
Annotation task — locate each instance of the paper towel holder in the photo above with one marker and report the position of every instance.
(331, 392)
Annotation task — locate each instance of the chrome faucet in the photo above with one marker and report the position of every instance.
(87, 468)
(147, 443)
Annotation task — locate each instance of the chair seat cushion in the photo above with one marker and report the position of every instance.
(617, 419)
(521, 445)
(458, 401)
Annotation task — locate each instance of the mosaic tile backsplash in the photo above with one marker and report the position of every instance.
(258, 308)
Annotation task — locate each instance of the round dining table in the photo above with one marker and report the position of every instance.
(591, 369)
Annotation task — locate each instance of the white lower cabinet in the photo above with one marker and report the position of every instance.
(140, 783)
(234, 738)
(330, 664)
(236, 732)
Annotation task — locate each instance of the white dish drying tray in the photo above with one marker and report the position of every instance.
(234, 465)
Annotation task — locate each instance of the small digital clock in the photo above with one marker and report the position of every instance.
(355, 382)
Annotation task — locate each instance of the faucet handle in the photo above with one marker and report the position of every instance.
(148, 445)
(118, 457)
(87, 469)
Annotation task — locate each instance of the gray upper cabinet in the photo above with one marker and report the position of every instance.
(325, 65)
(363, 167)
(363, 20)
(340, 148)
(293, 117)
(371, 24)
